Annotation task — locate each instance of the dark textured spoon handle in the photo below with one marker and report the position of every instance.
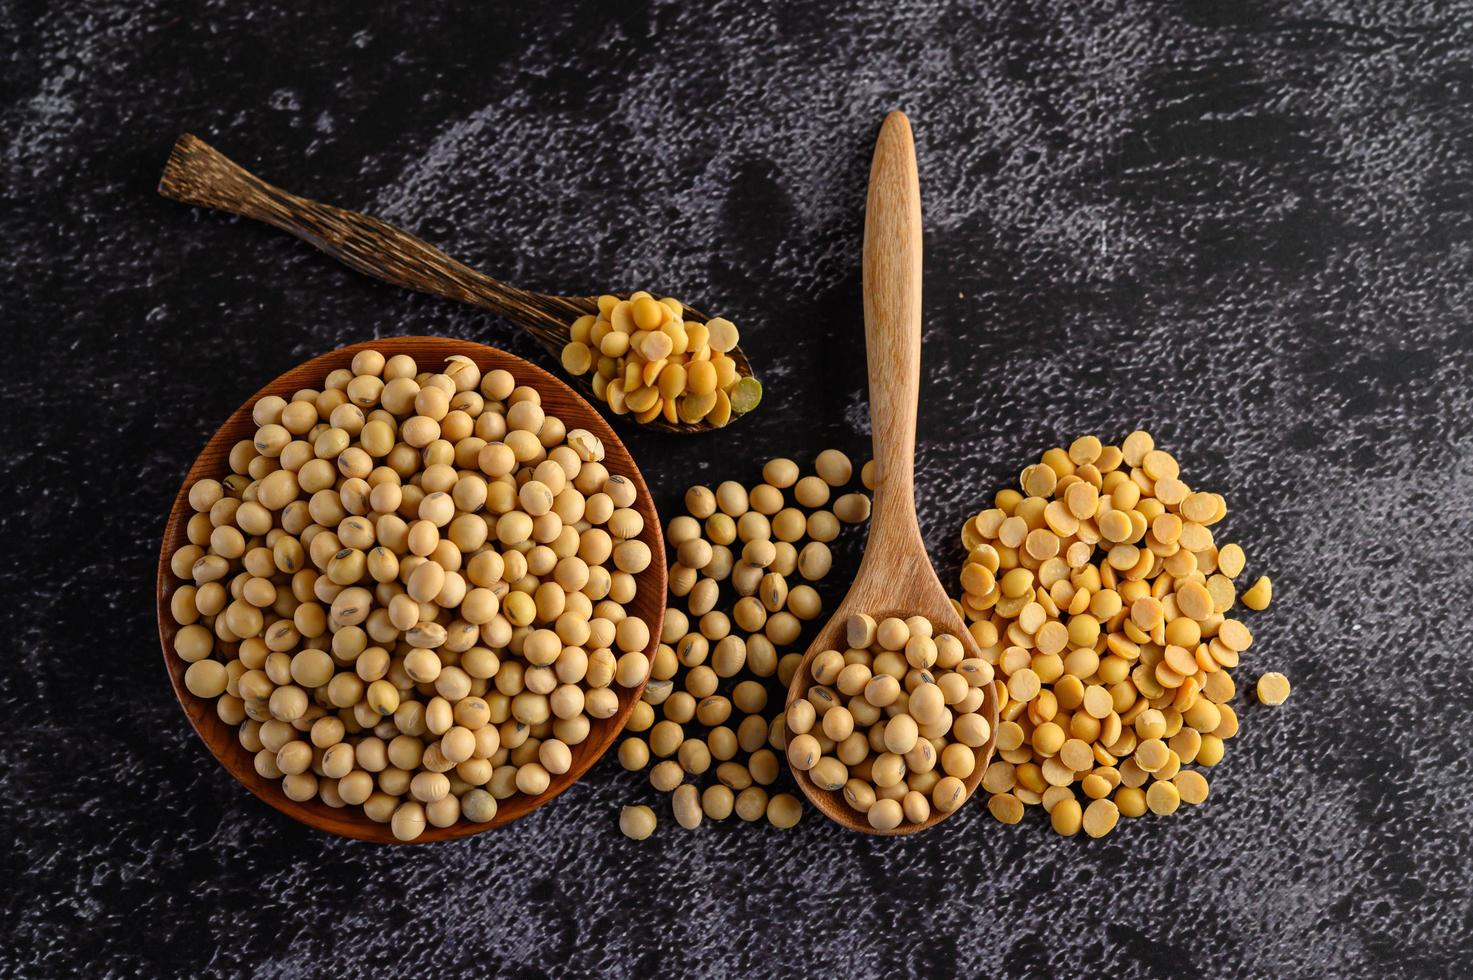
(199, 174)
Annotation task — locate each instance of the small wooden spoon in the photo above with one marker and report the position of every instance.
(895, 577)
(197, 173)
(558, 399)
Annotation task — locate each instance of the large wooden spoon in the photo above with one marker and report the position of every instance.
(199, 174)
(895, 577)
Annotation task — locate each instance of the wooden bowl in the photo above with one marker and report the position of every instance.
(559, 400)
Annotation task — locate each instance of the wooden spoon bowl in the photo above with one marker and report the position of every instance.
(557, 399)
(895, 576)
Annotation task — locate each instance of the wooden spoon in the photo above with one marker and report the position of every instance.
(895, 576)
(197, 173)
(559, 400)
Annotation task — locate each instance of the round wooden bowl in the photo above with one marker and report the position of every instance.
(559, 400)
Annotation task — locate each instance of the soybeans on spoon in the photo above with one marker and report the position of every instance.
(196, 173)
(895, 576)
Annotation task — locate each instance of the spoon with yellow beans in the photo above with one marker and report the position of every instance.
(648, 357)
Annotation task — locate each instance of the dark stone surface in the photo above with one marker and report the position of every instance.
(1244, 226)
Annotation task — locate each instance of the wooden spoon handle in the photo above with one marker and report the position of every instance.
(199, 174)
(892, 323)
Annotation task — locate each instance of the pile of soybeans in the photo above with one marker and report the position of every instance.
(743, 607)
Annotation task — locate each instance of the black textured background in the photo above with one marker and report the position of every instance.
(1243, 226)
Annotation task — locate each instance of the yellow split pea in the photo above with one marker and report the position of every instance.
(1273, 688)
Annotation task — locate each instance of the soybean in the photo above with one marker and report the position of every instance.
(637, 822)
